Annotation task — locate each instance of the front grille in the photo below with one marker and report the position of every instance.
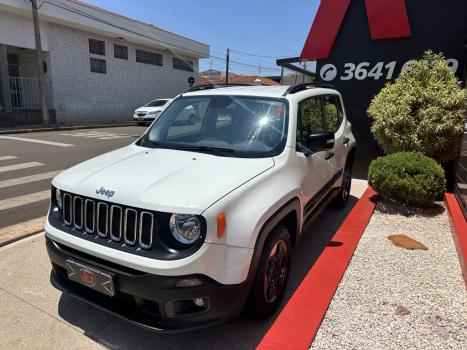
(133, 227)
(141, 114)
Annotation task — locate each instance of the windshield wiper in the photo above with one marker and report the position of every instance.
(207, 149)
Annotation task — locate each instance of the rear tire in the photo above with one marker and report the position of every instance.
(344, 192)
(272, 275)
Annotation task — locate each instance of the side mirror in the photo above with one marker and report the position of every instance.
(321, 142)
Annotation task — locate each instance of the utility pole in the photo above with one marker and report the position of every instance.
(304, 77)
(282, 74)
(40, 67)
(259, 68)
(227, 60)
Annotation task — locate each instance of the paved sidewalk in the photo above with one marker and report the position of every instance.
(30, 307)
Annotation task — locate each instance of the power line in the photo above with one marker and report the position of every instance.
(206, 20)
(261, 56)
(199, 19)
(167, 44)
(244, 64)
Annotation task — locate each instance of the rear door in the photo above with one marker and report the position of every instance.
(333, 122)
(315, 168)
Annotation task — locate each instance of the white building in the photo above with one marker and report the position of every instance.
(99, 65)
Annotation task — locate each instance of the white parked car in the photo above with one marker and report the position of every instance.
(193, 221)
(150, 111)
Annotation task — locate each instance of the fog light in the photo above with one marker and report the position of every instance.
(187, 283)
(199, 302)
(187, 307)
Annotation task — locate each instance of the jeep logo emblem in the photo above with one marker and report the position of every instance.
(104, 192)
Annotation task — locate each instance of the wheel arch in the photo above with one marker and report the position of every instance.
(289, 214)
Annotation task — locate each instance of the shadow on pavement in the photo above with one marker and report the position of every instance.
(242, 332)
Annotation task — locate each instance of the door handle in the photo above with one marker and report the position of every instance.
(329, 155)
(346, 141)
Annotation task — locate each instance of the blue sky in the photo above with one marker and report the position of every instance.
(261, 27)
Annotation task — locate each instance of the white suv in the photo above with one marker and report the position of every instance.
(186, 226)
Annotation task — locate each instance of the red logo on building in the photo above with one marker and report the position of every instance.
(387, 20)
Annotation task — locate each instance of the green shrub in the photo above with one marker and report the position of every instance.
(407, 177)
(422, 111)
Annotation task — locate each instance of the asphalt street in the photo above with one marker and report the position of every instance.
(29, 161)
(35, 315)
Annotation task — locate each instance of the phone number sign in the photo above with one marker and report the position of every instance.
(365, 70)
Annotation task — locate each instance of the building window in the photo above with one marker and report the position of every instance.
(98, 65)
(178, 63)
(121, 51)
(148, 57)
(97, 47)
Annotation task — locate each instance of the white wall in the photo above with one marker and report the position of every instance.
(82, 96)
(16, 30)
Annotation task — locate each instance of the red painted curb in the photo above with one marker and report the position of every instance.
(459, 231)
(297, 324)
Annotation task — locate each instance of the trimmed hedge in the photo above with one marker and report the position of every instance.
(407, 177)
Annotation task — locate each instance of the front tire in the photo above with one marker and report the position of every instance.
(272, 275)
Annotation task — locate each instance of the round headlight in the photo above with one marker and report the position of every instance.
(58, 199)
(185, 228)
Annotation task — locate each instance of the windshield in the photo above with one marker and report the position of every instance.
(156, 103)
(222, 125)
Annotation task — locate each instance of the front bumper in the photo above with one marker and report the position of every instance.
(146, 299)
(143, 119)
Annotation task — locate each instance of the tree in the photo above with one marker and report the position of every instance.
(423, 110)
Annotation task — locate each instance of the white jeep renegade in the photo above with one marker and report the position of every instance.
(195, 221)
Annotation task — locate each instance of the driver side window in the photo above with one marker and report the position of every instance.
(309, 120)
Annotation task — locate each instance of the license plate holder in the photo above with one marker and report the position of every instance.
(91, 277)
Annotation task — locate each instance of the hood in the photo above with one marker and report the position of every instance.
(150, 109)
(160, 179)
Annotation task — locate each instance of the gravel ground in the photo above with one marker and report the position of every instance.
(393, 298)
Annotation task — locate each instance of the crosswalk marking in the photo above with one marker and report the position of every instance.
(51, 143)
(21, 230)
(27, 179)
(7, 158)
(19, 166)
(23, 200)
(100, 135)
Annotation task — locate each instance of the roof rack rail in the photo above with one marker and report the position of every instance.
(300, 87)
(213, 86)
